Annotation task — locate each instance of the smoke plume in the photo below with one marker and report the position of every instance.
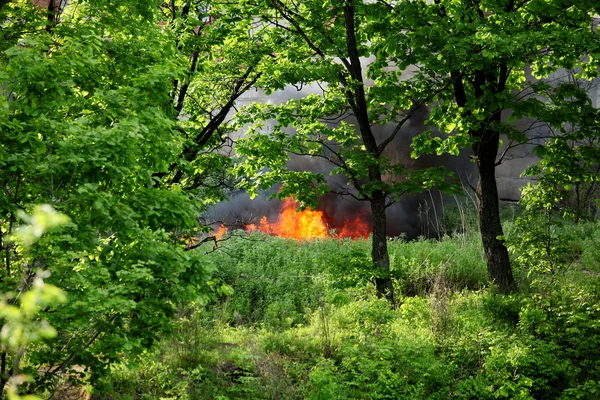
(411, 215)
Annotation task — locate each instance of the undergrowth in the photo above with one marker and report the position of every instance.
(303, 322)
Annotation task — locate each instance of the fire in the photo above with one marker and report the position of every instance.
(355, 228)
(307, 224)
(220, 232)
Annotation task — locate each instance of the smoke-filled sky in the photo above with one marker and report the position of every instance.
(408, 216)
(411, 213)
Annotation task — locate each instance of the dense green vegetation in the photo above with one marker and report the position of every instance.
(86, 122)
(120, 127)
(303, 322)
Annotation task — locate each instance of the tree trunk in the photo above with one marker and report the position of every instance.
(379, 250)
(490, 227)
(357, 100)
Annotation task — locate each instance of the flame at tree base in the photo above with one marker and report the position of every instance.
(307, 225)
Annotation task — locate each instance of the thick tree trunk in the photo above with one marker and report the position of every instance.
(485, 150)
(379, 250)
(490, 227)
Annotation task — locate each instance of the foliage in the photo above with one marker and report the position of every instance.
(263, 294)
(331, 271)
(343, 342)
(493, 43)
(320, 43)
(88, 123)
(118, 116)
(568, 167)
(20, 313)
(223, 57)
(341, 123)
(418, 264)
(548, 247)
(568, 160)
(477, 56)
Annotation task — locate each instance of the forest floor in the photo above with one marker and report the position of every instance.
(303, 322)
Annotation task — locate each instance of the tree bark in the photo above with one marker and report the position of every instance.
(357, 100)
(490, 226)
(379, 250)
(485, 150)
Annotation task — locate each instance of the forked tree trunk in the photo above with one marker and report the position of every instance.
(490, 227)
(379, 250)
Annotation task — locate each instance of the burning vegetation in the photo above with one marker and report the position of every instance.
(304, 225)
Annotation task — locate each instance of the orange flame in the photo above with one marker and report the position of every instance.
(220, 232)
(307, 224)
(354, 229)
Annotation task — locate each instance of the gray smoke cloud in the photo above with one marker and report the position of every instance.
(411, 215)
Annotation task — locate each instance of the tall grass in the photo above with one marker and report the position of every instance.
(303, 322)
